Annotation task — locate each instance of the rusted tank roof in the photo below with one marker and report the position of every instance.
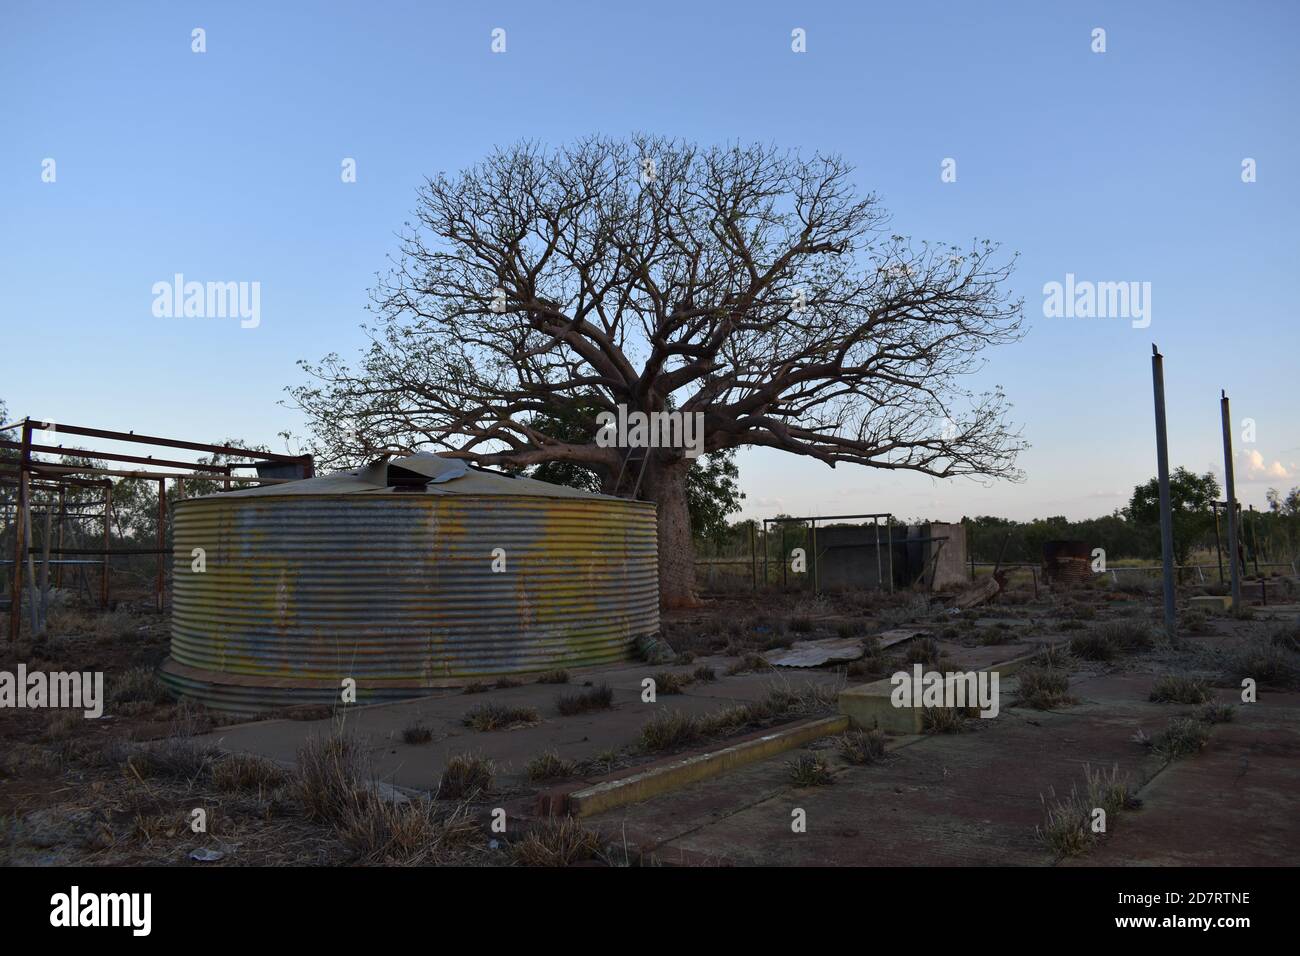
(443, 476)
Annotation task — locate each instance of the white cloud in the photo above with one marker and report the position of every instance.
(1258, 468)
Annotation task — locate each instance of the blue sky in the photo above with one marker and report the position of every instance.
(225, 165)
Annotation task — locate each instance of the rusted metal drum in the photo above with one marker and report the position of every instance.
(1067, 562)
(402, 587)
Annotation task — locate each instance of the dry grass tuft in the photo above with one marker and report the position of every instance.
(236, 773)
(810, 770)
(1067, 827)
(138, 685)
(465, 776)
(1216, 713)
(667, 682)
(668, 730)
(584, 701)
(1266, 661)
(944, 720)
(63, 724)
(176, 758)
(1183, 737)
(1043, 688)
(861, 746)
(332, 778)
(1113, 640)
(747, 662)
(549, 766)
(487, 717)
(409, 833)
(1175, 689)
(560, 841)
(416, 733)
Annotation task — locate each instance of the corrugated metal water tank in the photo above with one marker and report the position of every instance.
(386, 575)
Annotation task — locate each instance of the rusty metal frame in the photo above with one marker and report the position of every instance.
(811, 522)
(30, 474)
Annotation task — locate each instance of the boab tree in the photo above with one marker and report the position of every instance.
(749, 284)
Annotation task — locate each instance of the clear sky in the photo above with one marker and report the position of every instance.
(225, 166)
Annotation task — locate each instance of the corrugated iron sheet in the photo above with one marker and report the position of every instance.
(397, 591)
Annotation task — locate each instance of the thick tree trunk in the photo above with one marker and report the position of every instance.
(665, 485)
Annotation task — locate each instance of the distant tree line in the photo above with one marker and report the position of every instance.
(1131, 533)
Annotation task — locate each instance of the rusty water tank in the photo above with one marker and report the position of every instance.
(410, 574)
(1067, 562)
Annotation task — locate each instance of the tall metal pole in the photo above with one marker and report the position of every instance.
(1233, 560)
(1162, 471)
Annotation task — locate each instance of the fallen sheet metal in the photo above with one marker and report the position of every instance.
(815, 653)
(900, 634)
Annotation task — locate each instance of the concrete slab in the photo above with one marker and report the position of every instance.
(969, 799)
(379, 728)
(1235, 804)
(976, 798)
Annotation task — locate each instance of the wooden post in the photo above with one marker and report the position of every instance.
(753, 554)
(970, 548)
(20, 541)
(162, 539)
(32, 595)
(880, 571)
(1218, 547)
(108, 543)
(889, 536)
(63, 518)
(45, 563)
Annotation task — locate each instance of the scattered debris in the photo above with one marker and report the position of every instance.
(980, 593)
(815, 653)
(898, 635)
(653, 649)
